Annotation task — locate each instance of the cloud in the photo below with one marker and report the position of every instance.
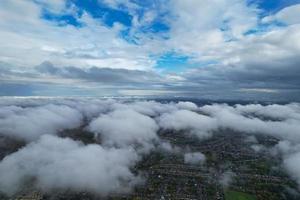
(227, 117)
(288, 15)
(236, 19)
(291, 163)
(227, 178)
(30, 123)
(194, 158)
(126, 130)
(166, 146)
(257, 148)
(252, 66)
(124, 127)
(151, 108)
(290, 152)
(187, 105)
(55, 163)
(101, 75)
(35, 39)
(274, 111)
(280, 121)
(196, 124)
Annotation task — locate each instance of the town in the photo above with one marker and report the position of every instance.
(233, 169)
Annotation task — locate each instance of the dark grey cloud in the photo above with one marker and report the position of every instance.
(265, 80)
(248, 79)
(275, 74)
(101, 75)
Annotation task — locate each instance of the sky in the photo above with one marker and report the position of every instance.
(215, 49)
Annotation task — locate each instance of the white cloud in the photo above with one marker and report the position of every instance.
(257, 148)
(227, 117)
(30, 123)
(194, 158)
(197, 124)
(56, 6)
(275, 111)
(125, 127)
(292, 163)
(116, 4)
(289, 15)
(150, 108)
(56, 163)
(263, 90)
(28, 39)
(196, 25)
(227, 178)
(185, 105)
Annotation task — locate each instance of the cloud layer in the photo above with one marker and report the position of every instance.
(57, 163)
(125, 131)
(30, 123)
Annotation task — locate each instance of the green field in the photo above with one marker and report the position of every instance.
(233, 195)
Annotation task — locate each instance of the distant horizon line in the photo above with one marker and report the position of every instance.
(150, 97)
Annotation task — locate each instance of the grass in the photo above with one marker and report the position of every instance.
(233, 195)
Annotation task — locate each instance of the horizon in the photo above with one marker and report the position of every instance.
(195, 100)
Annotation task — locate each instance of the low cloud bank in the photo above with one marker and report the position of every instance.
(194, 123)
(30, 123)
(55, 163)
(126, 131)
(125, 127)
(243, 120)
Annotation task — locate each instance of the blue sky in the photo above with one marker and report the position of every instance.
(273, 5)
(176, 46)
